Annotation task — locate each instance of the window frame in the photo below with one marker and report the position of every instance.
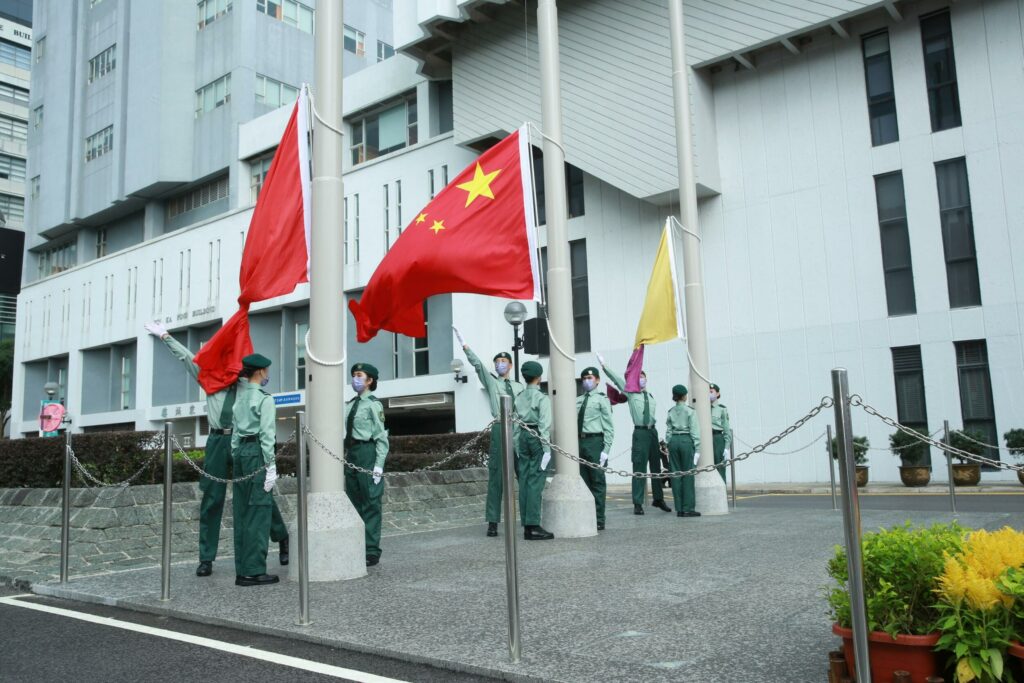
(16, 55)
(958, 299)
(879, 101)
(205, 18)
(359, 148)
(358, 39)
(103, 63)
(962, 370)
(203, 106)
(932, 85)
(888, 226)
(99, 143)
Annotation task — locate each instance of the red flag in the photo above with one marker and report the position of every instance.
(633, 369)
(478, 235)
(615, 396)
(276, 254)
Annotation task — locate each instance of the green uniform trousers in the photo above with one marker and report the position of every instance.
(680, 459)
(590, 450)
(531, 478)
(364, 494)
(252, 507)
(646, 454)
(494, 476)
(211, 509)
(718, 443)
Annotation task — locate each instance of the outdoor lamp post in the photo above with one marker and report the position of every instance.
(51, 389)
(456, 367)
(515, 314)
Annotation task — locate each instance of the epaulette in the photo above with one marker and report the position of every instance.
(374, 398)
(264, 392)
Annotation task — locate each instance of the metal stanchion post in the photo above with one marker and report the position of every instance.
(165, 557)
(65, 510)
(302, 528)
(732, 468)
(509, 502)
(949, 466)
(831, 464)
(851, 523)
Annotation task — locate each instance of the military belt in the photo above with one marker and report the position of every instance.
(351, 442)
(225, 432)
(250, 438)
(718, 431)
(650, 427)
(589, 435)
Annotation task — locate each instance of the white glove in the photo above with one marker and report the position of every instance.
(378, 472)
(726, 455)
(545, 460)
(156, 329)
(604, 459)
(271, 478)
(600, 359)
(458, 335)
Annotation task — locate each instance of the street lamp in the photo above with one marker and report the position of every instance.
(456, 367)
(51, 389)
(515, 314)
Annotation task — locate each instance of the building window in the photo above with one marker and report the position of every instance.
(16, 55)
(204, 194)
(896, 262)
(881, 95)
(352, 228)
(976, 406)
(98, 144)
(384, 131)
(13, 129)
(387, 217)
(35, 187)
(57, 259)
(101, 243)
(398, 206)
(958, 233)
(213, 95)
(12, 207)
(37, 116)
(12, 168)
(300, 355)
(209, 11)
(103, 63)
(274, 93)
(421, 348)
(126, 382)
(573, 188)
(580, 291)
(908, 374)
(289, 11)
(259, 167)
(940, 71)
(437, 180)
(40, 49)
(384, 51)
(12, 93)
(445, 107)
(355, 41)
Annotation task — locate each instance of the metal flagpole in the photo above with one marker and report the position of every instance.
(711, 497)
(568, 510)
(337, 547)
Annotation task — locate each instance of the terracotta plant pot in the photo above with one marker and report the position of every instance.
(968, 474)
(915, 476)
(1016, 651)
(862, 475)
(915, 654)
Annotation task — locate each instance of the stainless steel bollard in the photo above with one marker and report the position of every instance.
(851, 523)
(300, 522)
(949, 467)
(165, 556)
(509, 503)
(831, 465)
(732, 467)
(65, 510)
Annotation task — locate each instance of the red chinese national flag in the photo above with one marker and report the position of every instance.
(276, 254)
(478, 236)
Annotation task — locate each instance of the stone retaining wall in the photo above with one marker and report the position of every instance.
(114, 529)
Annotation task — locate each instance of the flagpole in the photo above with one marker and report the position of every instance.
(336, 543)
(568, 508)
(710, 489)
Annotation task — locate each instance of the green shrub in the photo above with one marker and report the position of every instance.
(911, 451)
(967, 440)
(1015, 442)
(860, 449)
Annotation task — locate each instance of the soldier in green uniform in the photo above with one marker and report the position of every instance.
(497, 385)
(253, 436)
(683, 434)
(646, 451)
(533, 407)
(596, 433)
(219, 406)
(721, 434)
(366, 445)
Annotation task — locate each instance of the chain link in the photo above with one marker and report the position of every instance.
(795, 450)
(194, 465)
(986, 445)
(88, 477)
(856, 400)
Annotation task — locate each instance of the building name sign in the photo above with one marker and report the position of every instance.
(199, 312)
(22, 34)
(287, 399)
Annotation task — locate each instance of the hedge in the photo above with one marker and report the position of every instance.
(115, 456)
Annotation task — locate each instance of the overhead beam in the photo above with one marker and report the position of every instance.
(745, 62)
(840, 30)
(890, 7)
(788, 44)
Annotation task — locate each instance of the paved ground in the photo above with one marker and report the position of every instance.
(655, 598)
(1009, 502)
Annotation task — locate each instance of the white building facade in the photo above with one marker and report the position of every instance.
(856, 171)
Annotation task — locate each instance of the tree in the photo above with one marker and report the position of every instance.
(6, 381)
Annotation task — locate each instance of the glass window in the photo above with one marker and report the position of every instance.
(976, 406)
(421, 348)
(12, 168)
(16, 55)
(289, 11)
(940, 71)
(40, 49)
(274, 93)
(35, 187)
(199, 196)
(384, 51)
(37, 116)
(12, 93)
(12, 207)
(958, 233)
(101, 242)
(908, 371)
(259, 168)
(355, 41)
(573, 188)
(98, 144)
(352, 228)
(384, 131)
(13, 129)
(880, 91)
(213, 95)
(300, 355)
(895, 240)
(103, 63)
(580, 291)
(126, 382)
(208, 11)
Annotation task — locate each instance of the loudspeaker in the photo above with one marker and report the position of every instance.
(535, 337)
(12, 252)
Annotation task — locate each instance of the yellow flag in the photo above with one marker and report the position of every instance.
(660, 321)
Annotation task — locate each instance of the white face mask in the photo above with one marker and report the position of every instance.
(501, 367)
(643, 382)
(265, 381)
(589, 384)
(358, 384)
(714, 396)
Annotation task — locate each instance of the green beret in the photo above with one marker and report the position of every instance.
(532, 369)
(370, 370)
(590, 371)
(504, 355)
(256, 360)
(715, 387)
(679, 390)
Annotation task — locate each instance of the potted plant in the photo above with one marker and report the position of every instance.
(1015, 442)
(977, 606)
(914, 455)
(967, 472)
(860, 456)
(901, 570)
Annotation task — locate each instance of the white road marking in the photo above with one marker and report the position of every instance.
(264, 655)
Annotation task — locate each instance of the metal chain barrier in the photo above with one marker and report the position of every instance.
(856, 400)
(91, 480)
(986, 445)
(890, 449)
(795, 450)
(198, 468)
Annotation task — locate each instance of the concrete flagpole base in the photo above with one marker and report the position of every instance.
(337, 544)
(711, 496)
(568, 508)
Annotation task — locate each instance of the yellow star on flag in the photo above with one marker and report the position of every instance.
(480, 185)
(437, 227)
(422, 217)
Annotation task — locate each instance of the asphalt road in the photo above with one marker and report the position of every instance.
(925, 502)
(41, 647)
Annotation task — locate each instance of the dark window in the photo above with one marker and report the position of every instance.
(580, 291)
(421, 351)
(976, 406)
(573, 188)
(896, 263)
(958, 233)
(881, 96)
(908, 372)
(940, 71)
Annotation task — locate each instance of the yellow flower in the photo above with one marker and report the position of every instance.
(971, 575)
(964, 672)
